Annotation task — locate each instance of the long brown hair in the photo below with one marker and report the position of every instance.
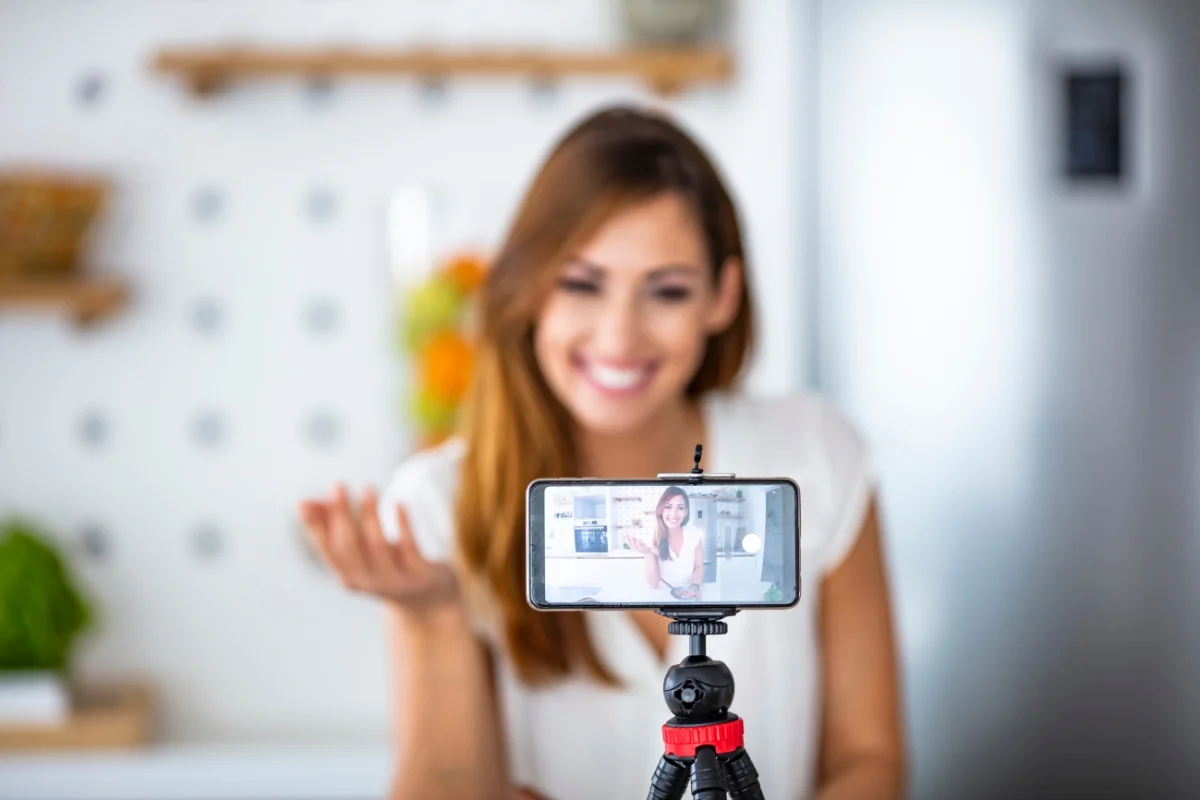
(662, 539)
(515, 429)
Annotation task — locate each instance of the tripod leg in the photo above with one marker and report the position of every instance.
(669, 781)
(742, 776)
(708, 776)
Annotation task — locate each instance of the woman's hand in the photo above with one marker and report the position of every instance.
(637, 544)
(353, 544)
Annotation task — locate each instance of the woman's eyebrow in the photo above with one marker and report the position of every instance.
(584, 264)
(661, 271)
(667, 270)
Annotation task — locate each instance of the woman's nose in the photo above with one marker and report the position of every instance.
(618, 330)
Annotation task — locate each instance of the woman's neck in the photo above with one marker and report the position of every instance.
(663, 444)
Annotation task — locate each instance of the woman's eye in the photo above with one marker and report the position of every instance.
(673, 294)
(579, 286)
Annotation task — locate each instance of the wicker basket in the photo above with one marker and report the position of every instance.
(44, 221)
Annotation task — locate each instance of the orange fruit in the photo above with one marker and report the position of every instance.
(445, 365)
(465, 273)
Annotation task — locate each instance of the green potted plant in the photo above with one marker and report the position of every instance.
(42, 614)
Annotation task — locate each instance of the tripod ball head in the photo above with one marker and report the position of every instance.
(698, 687)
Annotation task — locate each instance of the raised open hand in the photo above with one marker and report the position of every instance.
(353, 543)
(636, 543)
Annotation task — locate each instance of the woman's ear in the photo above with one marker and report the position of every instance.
(729, 296)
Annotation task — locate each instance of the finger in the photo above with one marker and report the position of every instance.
(317, 520)
(315, 516)
(406, 545)
(344, 533)
(383, 554)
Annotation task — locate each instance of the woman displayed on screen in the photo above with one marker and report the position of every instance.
(677, 556)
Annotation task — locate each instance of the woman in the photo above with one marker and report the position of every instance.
(613, 327)
(677, 556)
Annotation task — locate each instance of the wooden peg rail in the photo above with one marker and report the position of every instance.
(207, 70)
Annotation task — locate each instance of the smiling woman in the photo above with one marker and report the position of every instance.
(676, 555)
(643, 286)
(613, 327)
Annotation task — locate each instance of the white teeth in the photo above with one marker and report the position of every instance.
(616, 379)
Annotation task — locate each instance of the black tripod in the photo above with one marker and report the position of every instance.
(703, 739)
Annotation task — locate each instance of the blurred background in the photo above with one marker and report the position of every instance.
(236, 245)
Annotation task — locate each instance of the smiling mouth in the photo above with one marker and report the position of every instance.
(613, 379)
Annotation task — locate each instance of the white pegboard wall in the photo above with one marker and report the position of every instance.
(628, 512)
(169, 446)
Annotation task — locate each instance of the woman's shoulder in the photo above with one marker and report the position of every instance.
(425, 484)
(798, 421)
(432, 467)
(804, 436)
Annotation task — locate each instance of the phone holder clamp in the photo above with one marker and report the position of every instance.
(696, 475)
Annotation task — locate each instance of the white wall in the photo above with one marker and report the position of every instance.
(257, 642)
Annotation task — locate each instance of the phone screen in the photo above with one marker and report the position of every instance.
(654, 544)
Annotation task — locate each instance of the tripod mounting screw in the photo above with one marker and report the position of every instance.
(705, 627)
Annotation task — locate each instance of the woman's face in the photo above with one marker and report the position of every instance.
(674, 511)
(624, 331)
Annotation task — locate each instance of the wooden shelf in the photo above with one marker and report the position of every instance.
(116, 716)
(207, 70)
(87, 302)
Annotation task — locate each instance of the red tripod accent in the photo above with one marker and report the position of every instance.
(724, 737)
(713, 755)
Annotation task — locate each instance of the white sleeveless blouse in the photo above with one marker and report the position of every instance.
(678, 570)
(577, 740)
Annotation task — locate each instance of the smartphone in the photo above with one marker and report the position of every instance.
(721, 543)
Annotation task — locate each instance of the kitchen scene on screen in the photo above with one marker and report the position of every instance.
(592, 535)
